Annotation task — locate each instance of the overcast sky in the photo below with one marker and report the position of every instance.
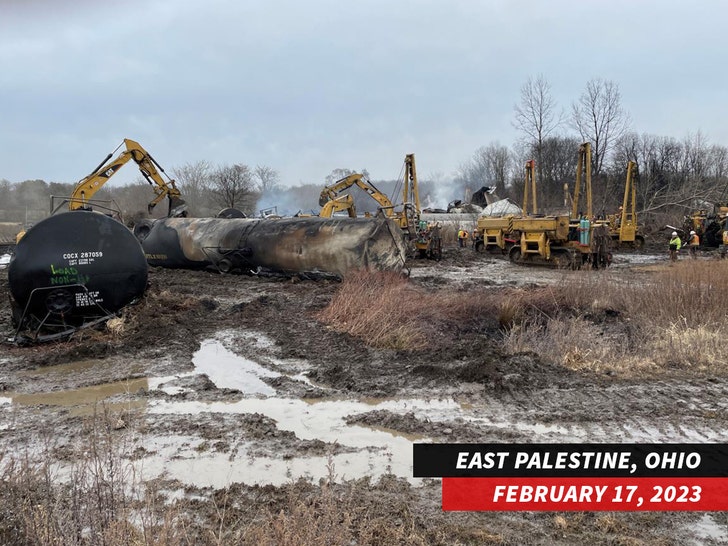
(309, 86)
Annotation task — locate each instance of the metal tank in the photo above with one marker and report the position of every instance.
(72, 268)
(290, 246)
(450, 223)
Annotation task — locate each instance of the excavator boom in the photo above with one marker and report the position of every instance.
(331, 192)
(406, 218)
(411, 188)
(150, 169)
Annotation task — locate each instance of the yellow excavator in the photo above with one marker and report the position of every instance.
(82, 195)
(424, 236)
(338, 204)
(407, 218)
(331, 192)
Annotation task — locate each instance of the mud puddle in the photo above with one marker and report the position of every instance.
(83, 401)
(368, 450)
(228, 370)
(499, 271)
(200, 432)
(708, 531)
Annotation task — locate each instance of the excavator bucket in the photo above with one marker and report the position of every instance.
(177, 207)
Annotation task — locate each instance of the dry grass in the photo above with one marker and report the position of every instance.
(595, 321)
(96, 501)
(387, 311)
(100, 501)
(332, 515)
(600, 323)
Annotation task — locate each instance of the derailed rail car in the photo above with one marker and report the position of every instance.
(72, 270)
(288, 246)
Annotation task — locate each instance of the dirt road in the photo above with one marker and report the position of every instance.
(216, 380)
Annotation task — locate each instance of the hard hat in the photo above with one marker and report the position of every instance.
(674, 233)
(692, 233)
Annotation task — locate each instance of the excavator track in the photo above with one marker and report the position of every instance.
(560, 259)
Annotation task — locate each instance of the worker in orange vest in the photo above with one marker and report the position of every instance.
(693, 244)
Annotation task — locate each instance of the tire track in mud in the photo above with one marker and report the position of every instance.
(669, 411)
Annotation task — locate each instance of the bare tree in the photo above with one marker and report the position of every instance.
(675, 177)
(536, 116)
(268, 179)
(193, 181)
(696, 157)
(338, 174)
(490, 165)
(499, 162)
(600, 119)
(558, 167)
(234, 187)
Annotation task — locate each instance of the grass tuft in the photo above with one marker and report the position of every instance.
(387, 311)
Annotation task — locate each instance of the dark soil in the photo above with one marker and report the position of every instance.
(182, 308)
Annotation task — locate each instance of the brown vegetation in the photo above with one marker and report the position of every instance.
(592, 321)
(103, 501)
(387, 311)
(600, 323)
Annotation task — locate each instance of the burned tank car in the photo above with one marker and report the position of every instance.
(73, 267)
(288, 246)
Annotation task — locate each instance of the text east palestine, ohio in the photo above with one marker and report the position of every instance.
(571, 460)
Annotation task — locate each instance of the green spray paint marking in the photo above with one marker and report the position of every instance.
(67, 275)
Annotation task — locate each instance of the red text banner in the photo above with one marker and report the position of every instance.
(587, 494)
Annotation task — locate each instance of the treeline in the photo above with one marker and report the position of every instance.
(207, 189)
(675, 176)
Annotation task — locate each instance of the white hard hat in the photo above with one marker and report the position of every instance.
(692, 233)
(674, 233)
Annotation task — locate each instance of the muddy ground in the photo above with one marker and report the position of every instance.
(213, 381)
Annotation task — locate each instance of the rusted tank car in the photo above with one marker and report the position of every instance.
(289, 246)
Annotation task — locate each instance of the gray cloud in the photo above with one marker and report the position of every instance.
(306, 87)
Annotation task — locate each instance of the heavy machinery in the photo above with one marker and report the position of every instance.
(428, 240)
(623, 227)
(404, 218)
(561, 240)
(425, 237)
(530, 184)
(341, 203)
(495, 233)
(82, 195)
(708, 225)
(564, 240)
